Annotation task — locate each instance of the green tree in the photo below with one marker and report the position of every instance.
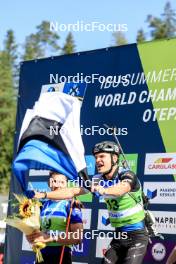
(69, 46)
(164, 27)
(32, 48)
(7, 117)
(140, 36)
(8, 81)
(119, 39)
(47, 38)
(158, 27)
(41, 44)
(11, 54)
(169, 18)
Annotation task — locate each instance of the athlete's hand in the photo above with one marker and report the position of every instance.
(39, 195)
(38, 237)
(98, 188)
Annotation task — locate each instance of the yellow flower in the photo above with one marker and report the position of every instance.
(25, 208)
(29, 210)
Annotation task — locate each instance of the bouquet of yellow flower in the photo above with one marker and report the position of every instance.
(28, 220)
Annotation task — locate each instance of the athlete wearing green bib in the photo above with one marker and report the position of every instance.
(54, 219)
(123, 195)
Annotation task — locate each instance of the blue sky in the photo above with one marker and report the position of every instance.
(23, 16)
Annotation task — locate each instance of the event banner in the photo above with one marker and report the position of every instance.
(131, 88)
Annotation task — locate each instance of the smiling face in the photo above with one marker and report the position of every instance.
(103, 162)
(57, 181)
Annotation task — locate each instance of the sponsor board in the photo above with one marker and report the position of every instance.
(165, 222)
(33, 172)
(160, 163)
(86, 216)
(25, 244)
(87, 198)
(90, 162)
(101, 199)
(81, 249)
(160, 192)
(40, 186)
(132, 161)
(27, 259)
(76, 89)
(103, 217)
(101, 246)
(159, 251)
(79, 263)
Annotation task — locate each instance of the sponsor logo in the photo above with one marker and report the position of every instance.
(158, 251)
(160, 163)
(71, 88)
(81, 249)
(165, 222)
(103, 222)
(160, 192)
(155, 253)
(151, 194)
(163, 160)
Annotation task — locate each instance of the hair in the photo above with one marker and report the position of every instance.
(51, 173)
(78, 204)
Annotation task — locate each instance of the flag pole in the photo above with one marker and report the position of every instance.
(67, 228)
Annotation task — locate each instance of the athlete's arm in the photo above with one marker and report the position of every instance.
(115, 190)
(64, 193)
(127, 183)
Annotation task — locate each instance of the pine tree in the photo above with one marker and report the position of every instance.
(11, 54)
(69, 46)
(119, 39)
(164, 27)
(32, 48)
(41, 44)
(169, 18)
(140, 36)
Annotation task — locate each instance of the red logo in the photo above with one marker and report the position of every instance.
(104, 251)
(163, 160)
